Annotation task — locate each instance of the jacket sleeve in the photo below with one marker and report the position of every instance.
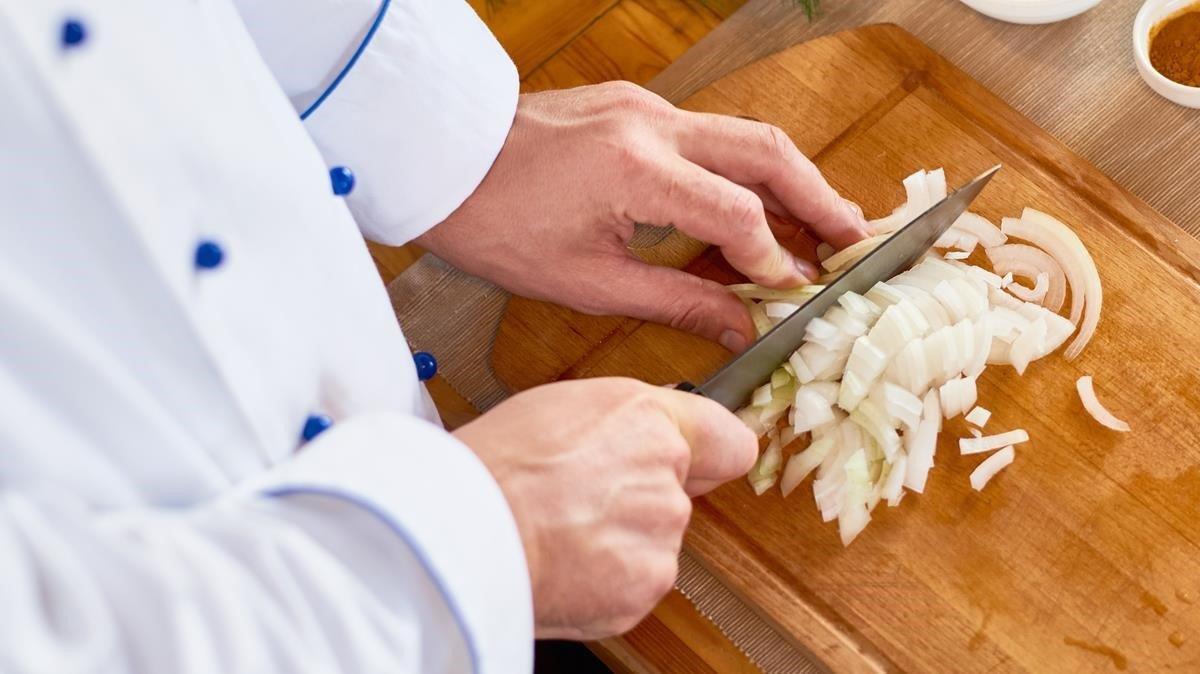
(419, 117)
(355, 556)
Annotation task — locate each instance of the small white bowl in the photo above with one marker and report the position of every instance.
(1031, 11)
(1151, 13)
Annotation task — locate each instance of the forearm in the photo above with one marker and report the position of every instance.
(346, 559)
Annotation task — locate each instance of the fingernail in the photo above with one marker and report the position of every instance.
(733, 341)
(807, 269)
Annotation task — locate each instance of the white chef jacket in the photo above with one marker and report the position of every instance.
(185, 301)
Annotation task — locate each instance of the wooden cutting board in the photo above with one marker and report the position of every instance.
(1083, 555)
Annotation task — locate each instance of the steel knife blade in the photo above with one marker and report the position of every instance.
(732, 384)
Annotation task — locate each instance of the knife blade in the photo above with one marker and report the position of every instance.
(732, 384)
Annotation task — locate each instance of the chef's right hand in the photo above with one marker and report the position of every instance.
(598, 474)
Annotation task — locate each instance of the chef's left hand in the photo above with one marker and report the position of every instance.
(552, 218)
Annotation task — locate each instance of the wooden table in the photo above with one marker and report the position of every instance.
(1076, 79)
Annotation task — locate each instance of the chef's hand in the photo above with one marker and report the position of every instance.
(553, 216)
(598, 473)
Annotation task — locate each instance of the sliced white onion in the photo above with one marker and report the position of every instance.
(893, 486)
(990, 442)
(907, 353)
(852, 392)
(803, 463)
(752, 291)
(901, 404)
(985, 471)
(766, 470)
(922, 446)
(810, 410)
(916, 190)
(1035, 294)
(875, 422)
(860, 307)
(1028, 345)
(1091, 403)
(800, 368)
(978, 416)
(780, 309)
(957, 396)
(988, 235)
(1027, 262)
(935, 185)
(847, 256)
(883, 296)
(1064, 246)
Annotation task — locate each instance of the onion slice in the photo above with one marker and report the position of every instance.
(1035, 294)
(988, 235)
(1018, 259)
(1064, 246)
(978, 416)
(989, 442)
(985, 471)
(1087, 393)
(852, 253)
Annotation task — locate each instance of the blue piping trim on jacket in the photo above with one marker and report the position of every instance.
(383, 7)
(403, 535)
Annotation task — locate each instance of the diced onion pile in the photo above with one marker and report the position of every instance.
(861, 402)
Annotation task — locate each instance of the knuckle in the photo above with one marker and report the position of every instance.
(630, 94)
(661, 580)
(743, 211)
(680, 512)
(675, 451)
(777, 142)
(688, 312)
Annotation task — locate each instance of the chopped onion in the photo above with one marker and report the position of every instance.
(1028, 345)
(893, 486)
(985, 471)
(901, 404)
(810, 410)
(877, 373)
(1091, 403)
(804, 463)
(957, 396)
(978, 416)
(935, 185)
(1065, 247)
(989, 442)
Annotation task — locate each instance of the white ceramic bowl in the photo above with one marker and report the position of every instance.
(1031, 11)
(1151, 13)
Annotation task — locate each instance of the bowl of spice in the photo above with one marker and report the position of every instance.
(1166, 47)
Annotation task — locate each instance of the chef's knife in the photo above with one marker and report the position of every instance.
(732, 385)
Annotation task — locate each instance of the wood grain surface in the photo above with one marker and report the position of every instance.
(1082, 556)
(1076, 79)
